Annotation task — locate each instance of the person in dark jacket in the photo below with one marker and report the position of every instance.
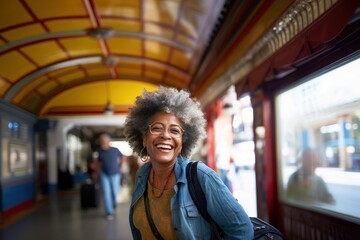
(110, 163)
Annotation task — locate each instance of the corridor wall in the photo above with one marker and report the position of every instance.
(17, 161)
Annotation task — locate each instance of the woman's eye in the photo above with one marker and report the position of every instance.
(175, 131)
(157, 129)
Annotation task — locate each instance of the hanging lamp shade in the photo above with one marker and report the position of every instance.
(109, 110)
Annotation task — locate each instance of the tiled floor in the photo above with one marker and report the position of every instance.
(61, 218)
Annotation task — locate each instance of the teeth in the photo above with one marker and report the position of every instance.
(164, 146)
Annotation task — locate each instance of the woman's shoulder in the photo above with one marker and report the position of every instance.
(204, 168)
(205, 171)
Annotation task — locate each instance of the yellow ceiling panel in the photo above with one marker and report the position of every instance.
(81, 46)
(122, 25)
(125, 46)
(186, 40)
(12, 13)
(20, 95)
(24, 32)
(3, 86)
(130, 69)
(13, 71)
(165, 12)
(157, 30)
(174, 79)
(68, 24)
(72, 76)
(157, 51)
(28, 88)
(47, 87)
(179, 59)
(154, 72)
(125, 8)
(31, 102)
(52, 9)
(94, 70)
(44, 53)
(122, 93)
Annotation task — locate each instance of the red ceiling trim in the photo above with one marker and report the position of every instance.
(34, 42)
(43, 20)
(33, 15)
(90, 9)
(28, 58)
(6, 79)
(2, 38)
(95, 19)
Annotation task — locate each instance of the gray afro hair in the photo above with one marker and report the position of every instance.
(168, 100)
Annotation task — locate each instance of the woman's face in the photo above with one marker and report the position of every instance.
(163, 140)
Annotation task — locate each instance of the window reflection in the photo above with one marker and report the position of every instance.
(304, 184)
(318, 141)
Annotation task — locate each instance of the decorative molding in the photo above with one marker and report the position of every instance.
(294, 21)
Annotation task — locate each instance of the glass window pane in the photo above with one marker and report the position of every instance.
(318, 141)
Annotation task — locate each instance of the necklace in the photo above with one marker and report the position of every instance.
(162, 191)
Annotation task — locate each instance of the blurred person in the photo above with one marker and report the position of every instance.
(224, 146)
(110, 159)
(304, 185)
(163, 128)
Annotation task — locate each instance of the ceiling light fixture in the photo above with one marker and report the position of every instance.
(110, 61)
(100, 32)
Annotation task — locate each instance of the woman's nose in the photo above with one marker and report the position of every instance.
(166, 133)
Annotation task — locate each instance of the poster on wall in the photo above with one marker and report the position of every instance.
(19, 157)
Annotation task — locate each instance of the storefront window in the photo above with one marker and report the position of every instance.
(318, 141)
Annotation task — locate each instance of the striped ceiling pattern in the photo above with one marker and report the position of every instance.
(70, 57)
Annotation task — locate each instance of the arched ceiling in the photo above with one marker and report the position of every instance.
(69, 57)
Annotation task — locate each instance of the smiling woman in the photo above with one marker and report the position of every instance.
(163, 128)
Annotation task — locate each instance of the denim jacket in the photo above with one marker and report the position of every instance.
(186, 219)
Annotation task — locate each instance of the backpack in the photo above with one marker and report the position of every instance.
(262, 229)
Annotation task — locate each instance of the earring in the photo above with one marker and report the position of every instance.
(143, 158)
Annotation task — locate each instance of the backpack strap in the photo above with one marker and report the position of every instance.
(198, 196)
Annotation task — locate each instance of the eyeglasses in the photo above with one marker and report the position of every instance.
(174, 131)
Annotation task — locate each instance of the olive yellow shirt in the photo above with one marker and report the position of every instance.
(160, 211)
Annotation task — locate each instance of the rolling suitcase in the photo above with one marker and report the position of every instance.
(89, 195)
